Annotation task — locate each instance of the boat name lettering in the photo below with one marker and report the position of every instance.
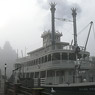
(91, 88)
(85, 89)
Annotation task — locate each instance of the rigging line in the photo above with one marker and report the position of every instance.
(93, 31)
(83, 29)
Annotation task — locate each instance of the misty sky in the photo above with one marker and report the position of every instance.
(23, 21)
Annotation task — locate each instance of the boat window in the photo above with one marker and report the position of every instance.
(22, 65)
(29, 63)
(45, 58)
(37, 75)
(36, 61)
(27, 75)
(23, 75)
(60, 73)
(31, 75)
(25, 64)
(32, 62)
(64, 56)
(70, 72)
(39, 60)
(49, 57)
(50, 73)
(42, 75)
(20, 75)
(56, 56)
(42, 59)
(72, 56)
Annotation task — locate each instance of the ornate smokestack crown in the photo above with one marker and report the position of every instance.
(53, 23)
(74, 11)
(52, 7)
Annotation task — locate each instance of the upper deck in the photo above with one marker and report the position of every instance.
(63, 54)
(46, 58)
(58, 64)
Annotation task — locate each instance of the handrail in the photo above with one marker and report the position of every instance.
(15, 89)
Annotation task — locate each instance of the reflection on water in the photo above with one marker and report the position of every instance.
(73, 93)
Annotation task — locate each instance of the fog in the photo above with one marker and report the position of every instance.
(23, 21)
(7, 56)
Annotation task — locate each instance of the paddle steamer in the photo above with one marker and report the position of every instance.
(58, 66)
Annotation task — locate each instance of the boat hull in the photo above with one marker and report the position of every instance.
(71, 90)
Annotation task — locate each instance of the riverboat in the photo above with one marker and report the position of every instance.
(59, 67)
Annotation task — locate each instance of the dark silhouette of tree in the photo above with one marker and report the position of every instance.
(8, 56)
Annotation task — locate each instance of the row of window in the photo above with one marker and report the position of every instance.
(42, 74)
(51, 57)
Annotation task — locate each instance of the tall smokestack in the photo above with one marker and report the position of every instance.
(74, 25)
(53, 23)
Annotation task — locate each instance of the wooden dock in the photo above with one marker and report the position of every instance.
(1, 86)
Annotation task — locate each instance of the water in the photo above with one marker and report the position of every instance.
(73, 93)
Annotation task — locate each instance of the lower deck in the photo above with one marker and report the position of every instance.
(57, 77)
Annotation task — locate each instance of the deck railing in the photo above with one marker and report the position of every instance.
(18, 89)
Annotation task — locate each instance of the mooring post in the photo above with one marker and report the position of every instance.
(6, 87)
(37, 91)
(16, 88)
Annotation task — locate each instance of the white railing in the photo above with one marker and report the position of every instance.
(35, 81)
(42, 81)
(69, 64)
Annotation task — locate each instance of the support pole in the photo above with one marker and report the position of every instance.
(5, 80)
(53, 23)
(74, 25)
